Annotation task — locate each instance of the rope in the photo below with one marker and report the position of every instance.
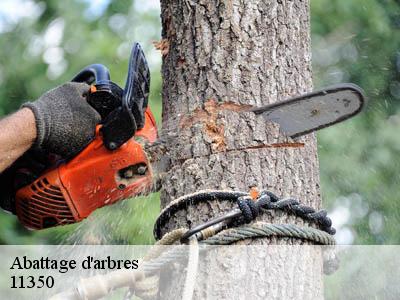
(192, 199)
(249, 208)
(233, 235)
(214, 232)
(191, 273)
(262, 230)
(144, 284)
(226, 237)
(147, 288)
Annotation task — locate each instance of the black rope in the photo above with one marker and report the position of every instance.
(248, 209)
(266, 200)
(192, 199)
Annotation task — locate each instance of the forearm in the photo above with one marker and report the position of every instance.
(17, 134)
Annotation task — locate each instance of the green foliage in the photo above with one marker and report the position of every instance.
(358, 41)
(40, 53)
(353, 40)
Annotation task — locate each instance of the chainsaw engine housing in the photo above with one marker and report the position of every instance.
(71, 191)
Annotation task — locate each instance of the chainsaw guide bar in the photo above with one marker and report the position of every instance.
(316, 110)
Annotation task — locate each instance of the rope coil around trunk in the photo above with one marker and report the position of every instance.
(262, 230)
(144, 283)
(248, 209)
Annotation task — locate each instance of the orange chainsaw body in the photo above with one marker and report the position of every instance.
(72, 190)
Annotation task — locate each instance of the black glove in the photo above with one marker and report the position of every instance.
(65, 122)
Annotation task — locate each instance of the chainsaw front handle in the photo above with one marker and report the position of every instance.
(93, 74)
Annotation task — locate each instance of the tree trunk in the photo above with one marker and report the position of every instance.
(220, 58)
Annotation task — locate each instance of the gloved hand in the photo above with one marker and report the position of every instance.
(65, 122)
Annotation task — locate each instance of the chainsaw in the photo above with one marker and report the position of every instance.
(114, 166)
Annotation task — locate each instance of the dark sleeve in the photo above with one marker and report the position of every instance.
(21, 173)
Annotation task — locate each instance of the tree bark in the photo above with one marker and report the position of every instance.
(221, 58)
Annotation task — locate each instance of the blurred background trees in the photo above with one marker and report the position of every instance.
(44, 43)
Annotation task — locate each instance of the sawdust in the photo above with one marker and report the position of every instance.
(163, 46)
(208, 116)
(216, 133)
(210, 111)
